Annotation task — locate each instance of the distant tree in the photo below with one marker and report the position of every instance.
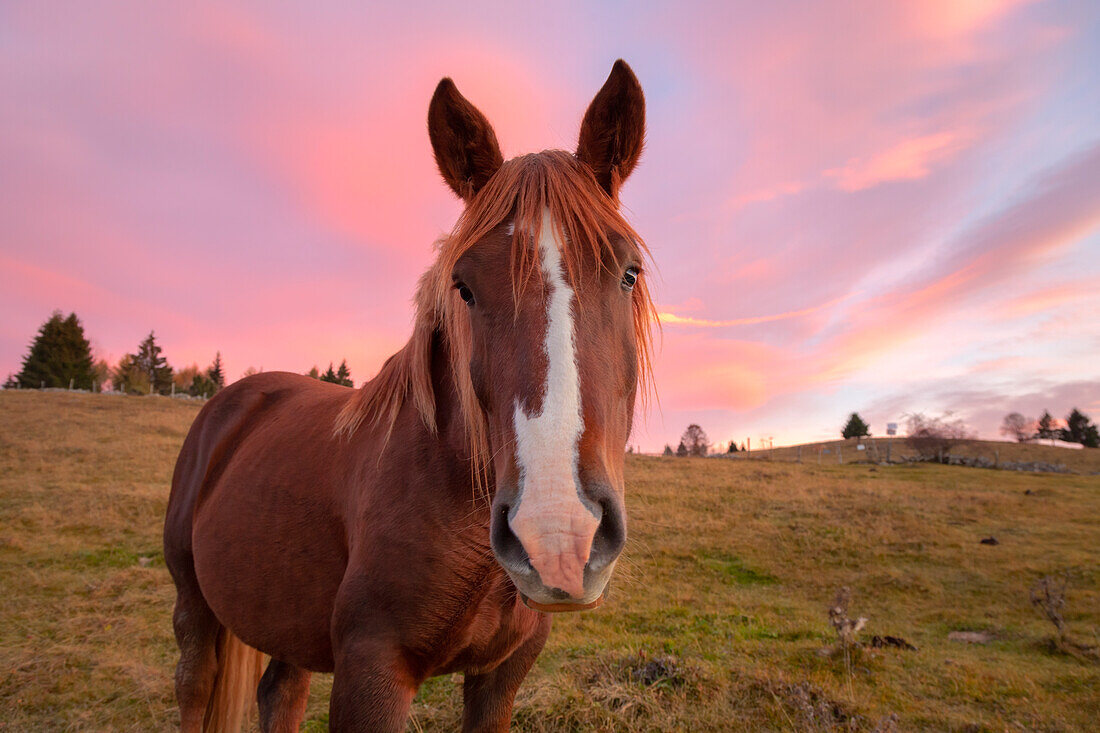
(933, 438)
(149, 360)
(101, 374)
(343, 374)
(732, 448)
(695, 440)
(215, 373)
(743, 448)
(183, 377)
(251, 371)
(855, 427)
(329, 375)
(128, 377)
(60, 355)
(668, 450)
(1079, 429)
(314, 373)
(1018, 427)
(11, 382)
(681, 450)
(202, 385)
(1046, 427)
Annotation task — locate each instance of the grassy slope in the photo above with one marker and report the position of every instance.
(724, 587)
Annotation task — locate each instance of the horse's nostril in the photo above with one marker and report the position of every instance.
(610, 536)
(507, 547)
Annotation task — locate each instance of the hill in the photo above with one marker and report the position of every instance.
(1085, 460)
(716, 620)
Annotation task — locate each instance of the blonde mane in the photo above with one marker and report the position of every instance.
(520, 190)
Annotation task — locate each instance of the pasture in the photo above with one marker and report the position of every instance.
(716, 620)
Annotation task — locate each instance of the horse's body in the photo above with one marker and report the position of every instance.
(350, 532)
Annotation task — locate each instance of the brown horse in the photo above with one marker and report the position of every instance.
(426, 523)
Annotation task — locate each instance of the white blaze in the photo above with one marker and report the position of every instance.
(551, 521)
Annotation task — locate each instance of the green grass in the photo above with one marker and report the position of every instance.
(716, 618)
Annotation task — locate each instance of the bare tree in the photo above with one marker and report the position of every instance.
(934, 437)
(695, 440)
(1017, 426)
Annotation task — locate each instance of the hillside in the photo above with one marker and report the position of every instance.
(1085, 460)
(716, 619)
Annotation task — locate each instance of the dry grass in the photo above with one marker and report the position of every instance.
(715, 620)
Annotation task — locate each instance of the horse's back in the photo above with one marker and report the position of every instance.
(257, 505)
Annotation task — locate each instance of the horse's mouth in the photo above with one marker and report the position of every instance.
(560, 607)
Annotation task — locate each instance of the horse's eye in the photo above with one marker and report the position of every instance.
(630, 277)
(465, 293)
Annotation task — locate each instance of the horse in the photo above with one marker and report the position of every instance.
(429, 522)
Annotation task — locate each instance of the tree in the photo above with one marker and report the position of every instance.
(59, 356)
(695, 440)
(343, 374)
(732, 448)
(933, 438)
(13, 383)
(215, 373)
(1046, 428)
(314, 373)
(128, 377)
(251, 371)
(855, 428)
(329, 375)
(668, 450)
(681, 450)
(148, 359)
(101, 374)
(1018, 427)
(1079, 429)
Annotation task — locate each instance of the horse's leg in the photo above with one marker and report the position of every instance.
(197, 636)
(487, 698)
(283, 694)
(372, 689)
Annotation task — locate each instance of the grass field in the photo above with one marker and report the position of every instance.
(717, 618)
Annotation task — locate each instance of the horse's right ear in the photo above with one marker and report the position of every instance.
(465, 146)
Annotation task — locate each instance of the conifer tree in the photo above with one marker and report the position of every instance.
(148, 360)
(215, 372)
(668, 450)
(329, 375)
(1046, 427)
(1079, 429)
(314, 373)
(855, 428)
(343, 374)
(732, 448)
(60, 355)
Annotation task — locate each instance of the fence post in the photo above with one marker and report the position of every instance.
(800, 454)
(839, 458)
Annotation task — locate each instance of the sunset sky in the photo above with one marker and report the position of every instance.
(870, 206)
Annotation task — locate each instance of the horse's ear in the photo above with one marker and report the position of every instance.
(465, 146)
(613, 130)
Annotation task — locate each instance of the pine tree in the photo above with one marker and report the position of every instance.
(732, 448)
(148, 359)
(668, 450)
(681, 450)
(59, 356)
(343, 374)
(128, 377)
(855, 428)
(1079, 429)
(12, 382)
(215, 373)
(329, 375)
(1046, 427)
(313, 373)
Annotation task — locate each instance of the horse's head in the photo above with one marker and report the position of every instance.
(548, 296)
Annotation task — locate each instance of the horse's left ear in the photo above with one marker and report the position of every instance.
(465, 146)
(613, 130)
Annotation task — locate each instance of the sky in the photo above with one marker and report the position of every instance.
(853, 206)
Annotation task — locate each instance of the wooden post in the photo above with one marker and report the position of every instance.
(839, 458)
(71, 383)
(888, 447)
(800, 454)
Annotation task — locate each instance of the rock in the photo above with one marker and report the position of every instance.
(990, 541)
(881, 642)
(971, 637)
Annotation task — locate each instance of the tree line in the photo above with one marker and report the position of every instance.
(60, 357)
(1078, 428)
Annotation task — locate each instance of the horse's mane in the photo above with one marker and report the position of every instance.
(520, 190)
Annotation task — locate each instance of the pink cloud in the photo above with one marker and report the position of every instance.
(907, 160)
